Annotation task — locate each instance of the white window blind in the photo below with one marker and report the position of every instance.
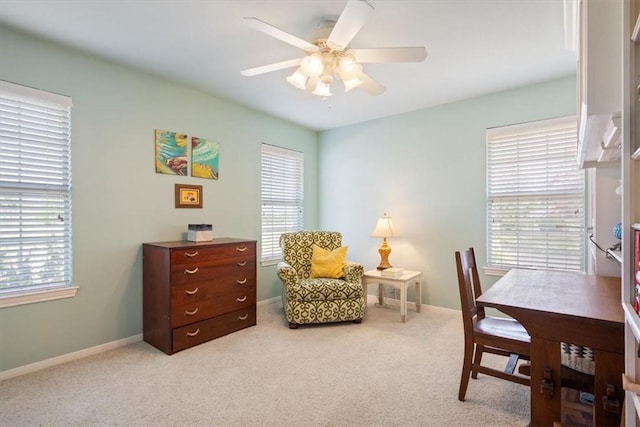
(35, 190)
(282, 197)
(535, 197)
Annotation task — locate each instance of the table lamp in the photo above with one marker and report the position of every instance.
(384, 228)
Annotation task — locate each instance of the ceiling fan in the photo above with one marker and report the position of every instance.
(328, 56)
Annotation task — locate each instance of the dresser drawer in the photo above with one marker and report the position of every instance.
(222, 303)
(206, 330)
(194, 292)
(242, 271)
(204, 256)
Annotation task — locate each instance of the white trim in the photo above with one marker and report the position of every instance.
(10, 300)
(493, 271)
(269, 301)
(33, 367)
(571, 16)
(266, 263)
(36, 95)
(373, 299)
(635, 35)
(281, 151)
(535, 126)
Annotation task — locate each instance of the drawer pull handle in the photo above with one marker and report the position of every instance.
(243, 299)
(187, 271)
(243, 317)
(191, 313)
(242, 264)
(193, 334)
(241, 282)
(242, 249)
(191, 254)
(193, 292)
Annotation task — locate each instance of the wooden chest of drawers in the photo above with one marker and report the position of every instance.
(195, 292)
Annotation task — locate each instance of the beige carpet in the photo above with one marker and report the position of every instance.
(378, 373)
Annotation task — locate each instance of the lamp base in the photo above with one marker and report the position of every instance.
(384, 252)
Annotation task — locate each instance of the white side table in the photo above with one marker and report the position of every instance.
(402, 282)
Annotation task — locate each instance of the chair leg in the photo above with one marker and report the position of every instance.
(466, 371)
(477, 359)
(357, 321)
(293, 325)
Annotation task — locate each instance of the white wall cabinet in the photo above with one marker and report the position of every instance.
(598, 35)
(630, 194)
(609, 135)
(599, 82)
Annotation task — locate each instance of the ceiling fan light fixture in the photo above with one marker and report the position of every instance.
(351, 83)
(322, 89)
(298, 79)
(312, 65)
(327, 55)
(346, 64)
(351, 71)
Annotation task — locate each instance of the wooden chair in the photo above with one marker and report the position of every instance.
(486, 334)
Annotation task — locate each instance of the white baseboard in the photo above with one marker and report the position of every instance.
(33, 367)
(411, 305)
(269, 301)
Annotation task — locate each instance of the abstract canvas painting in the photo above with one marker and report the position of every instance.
(171, 153)
(204, 158)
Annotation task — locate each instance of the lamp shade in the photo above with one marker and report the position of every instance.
(384, 227)
(322, 89)
(298, 79)
(312, 65)
(351, 83)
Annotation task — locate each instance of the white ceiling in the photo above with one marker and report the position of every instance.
(474, 47)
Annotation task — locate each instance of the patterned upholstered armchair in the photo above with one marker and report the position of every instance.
(309, 299)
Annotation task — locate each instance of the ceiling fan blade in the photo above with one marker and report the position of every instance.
(371, 86)
(390, 54)
(280, 34)
(271, 67)
(355, 14)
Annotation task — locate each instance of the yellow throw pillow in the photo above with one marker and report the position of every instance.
(328, 264)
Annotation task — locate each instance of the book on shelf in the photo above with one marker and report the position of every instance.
(392, 272)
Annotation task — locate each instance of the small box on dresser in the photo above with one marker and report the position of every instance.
(194, 292)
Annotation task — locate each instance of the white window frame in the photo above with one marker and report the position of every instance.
(536, 197)
(35, 196)
(282, 192)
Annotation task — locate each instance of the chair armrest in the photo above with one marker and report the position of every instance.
(287, 274)
(353, 272)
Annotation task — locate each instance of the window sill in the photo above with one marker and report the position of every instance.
(268, 262)
(10, 300)
(494, 271)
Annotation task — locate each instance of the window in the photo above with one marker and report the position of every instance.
(535, 197)
(35, 195)
(282, 198)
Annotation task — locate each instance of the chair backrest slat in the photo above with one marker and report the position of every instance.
(469, 287)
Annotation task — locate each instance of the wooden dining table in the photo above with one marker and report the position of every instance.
(575, 308)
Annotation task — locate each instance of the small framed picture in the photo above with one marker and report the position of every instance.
(188, 196)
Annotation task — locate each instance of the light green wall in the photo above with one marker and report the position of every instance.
(426, 169)
(120, 202)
